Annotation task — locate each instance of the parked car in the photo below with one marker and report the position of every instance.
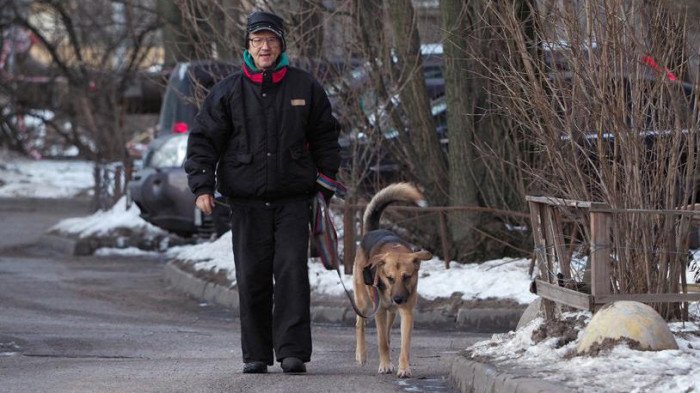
(380, 165)
(356, 149)
(159, 188)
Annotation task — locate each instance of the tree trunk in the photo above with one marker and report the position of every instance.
(177, 46)
(429, 163)
(309, 24)
(227, 34)
(462, 86)
(374, 47)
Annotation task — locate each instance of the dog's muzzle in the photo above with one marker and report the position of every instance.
(399, 299)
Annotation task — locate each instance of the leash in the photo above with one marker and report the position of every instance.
(375, 297)
(220, 203)
(326, 240)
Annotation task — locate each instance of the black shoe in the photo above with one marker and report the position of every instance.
(255, 368)
(293, 365)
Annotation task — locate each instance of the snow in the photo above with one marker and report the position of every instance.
(218, 255)
(44, 178)
(214, 256)
(620, 369)
(502, 278)
(103, 223)
(126, 252)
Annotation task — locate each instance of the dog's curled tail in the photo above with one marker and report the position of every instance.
(397, 192)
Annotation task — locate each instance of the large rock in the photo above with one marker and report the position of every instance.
(534, 310)
(628, 320)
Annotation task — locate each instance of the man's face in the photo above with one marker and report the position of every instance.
(270, 46)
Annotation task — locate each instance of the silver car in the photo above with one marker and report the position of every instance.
(160, 188)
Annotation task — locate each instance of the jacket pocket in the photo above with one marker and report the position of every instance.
(296, 118)
(296, 152)
(300, 173)
(237, 176)
(243, 159)
(236, 160)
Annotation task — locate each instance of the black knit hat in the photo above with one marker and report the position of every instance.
(259, 20)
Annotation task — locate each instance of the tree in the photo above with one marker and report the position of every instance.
(462, 87)
(307, 28)
(203, 29)
(612, 123)
(429, 162)
(93, 52)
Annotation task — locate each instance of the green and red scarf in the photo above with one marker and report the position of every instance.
(256, 75)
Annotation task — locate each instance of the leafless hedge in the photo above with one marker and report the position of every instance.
(599, 95)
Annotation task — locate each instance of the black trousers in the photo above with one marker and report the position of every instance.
(270, 243)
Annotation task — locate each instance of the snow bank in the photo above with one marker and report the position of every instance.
(107, 223)
(20, 177)
(618, 370)
(502, 278)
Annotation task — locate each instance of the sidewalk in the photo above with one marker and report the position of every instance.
(468, 376)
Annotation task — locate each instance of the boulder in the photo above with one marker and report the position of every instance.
(532, 311)
(628, 320)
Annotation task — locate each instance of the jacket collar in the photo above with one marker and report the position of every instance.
(256, 75)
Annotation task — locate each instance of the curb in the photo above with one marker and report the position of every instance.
(488, 320)
(474, 377)
(70, 246)
(201, 289)
(467, 319)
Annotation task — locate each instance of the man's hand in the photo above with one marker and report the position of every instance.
(205, 203)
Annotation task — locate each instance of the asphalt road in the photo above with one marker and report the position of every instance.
(111, 324)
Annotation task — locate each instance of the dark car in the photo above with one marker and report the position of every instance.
(160, 187)
(375, 160)
(372, 158)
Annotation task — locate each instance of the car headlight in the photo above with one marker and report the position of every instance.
(171, 153)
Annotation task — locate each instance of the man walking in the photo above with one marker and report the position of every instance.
(265, 137)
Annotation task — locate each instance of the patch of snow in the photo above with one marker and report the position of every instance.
(214, 256)
(103, 223)
(45, 178)
(218, 256)
(500, 278)
(125, 252)
(327, 282)
(619, 370)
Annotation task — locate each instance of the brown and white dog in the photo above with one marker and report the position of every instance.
(391, 264)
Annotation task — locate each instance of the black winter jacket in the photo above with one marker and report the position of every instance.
(266, 141)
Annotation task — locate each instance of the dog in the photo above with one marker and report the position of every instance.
(390, 264)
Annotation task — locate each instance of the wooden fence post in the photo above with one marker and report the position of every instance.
(538, 235)
(118, 187)
(444, 233)
(554, 226)
(600, 254)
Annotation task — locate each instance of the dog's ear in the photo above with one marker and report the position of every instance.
(378, 263)
(376, 260)
(421, 255)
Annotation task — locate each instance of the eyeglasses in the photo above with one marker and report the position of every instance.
(272, 42)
